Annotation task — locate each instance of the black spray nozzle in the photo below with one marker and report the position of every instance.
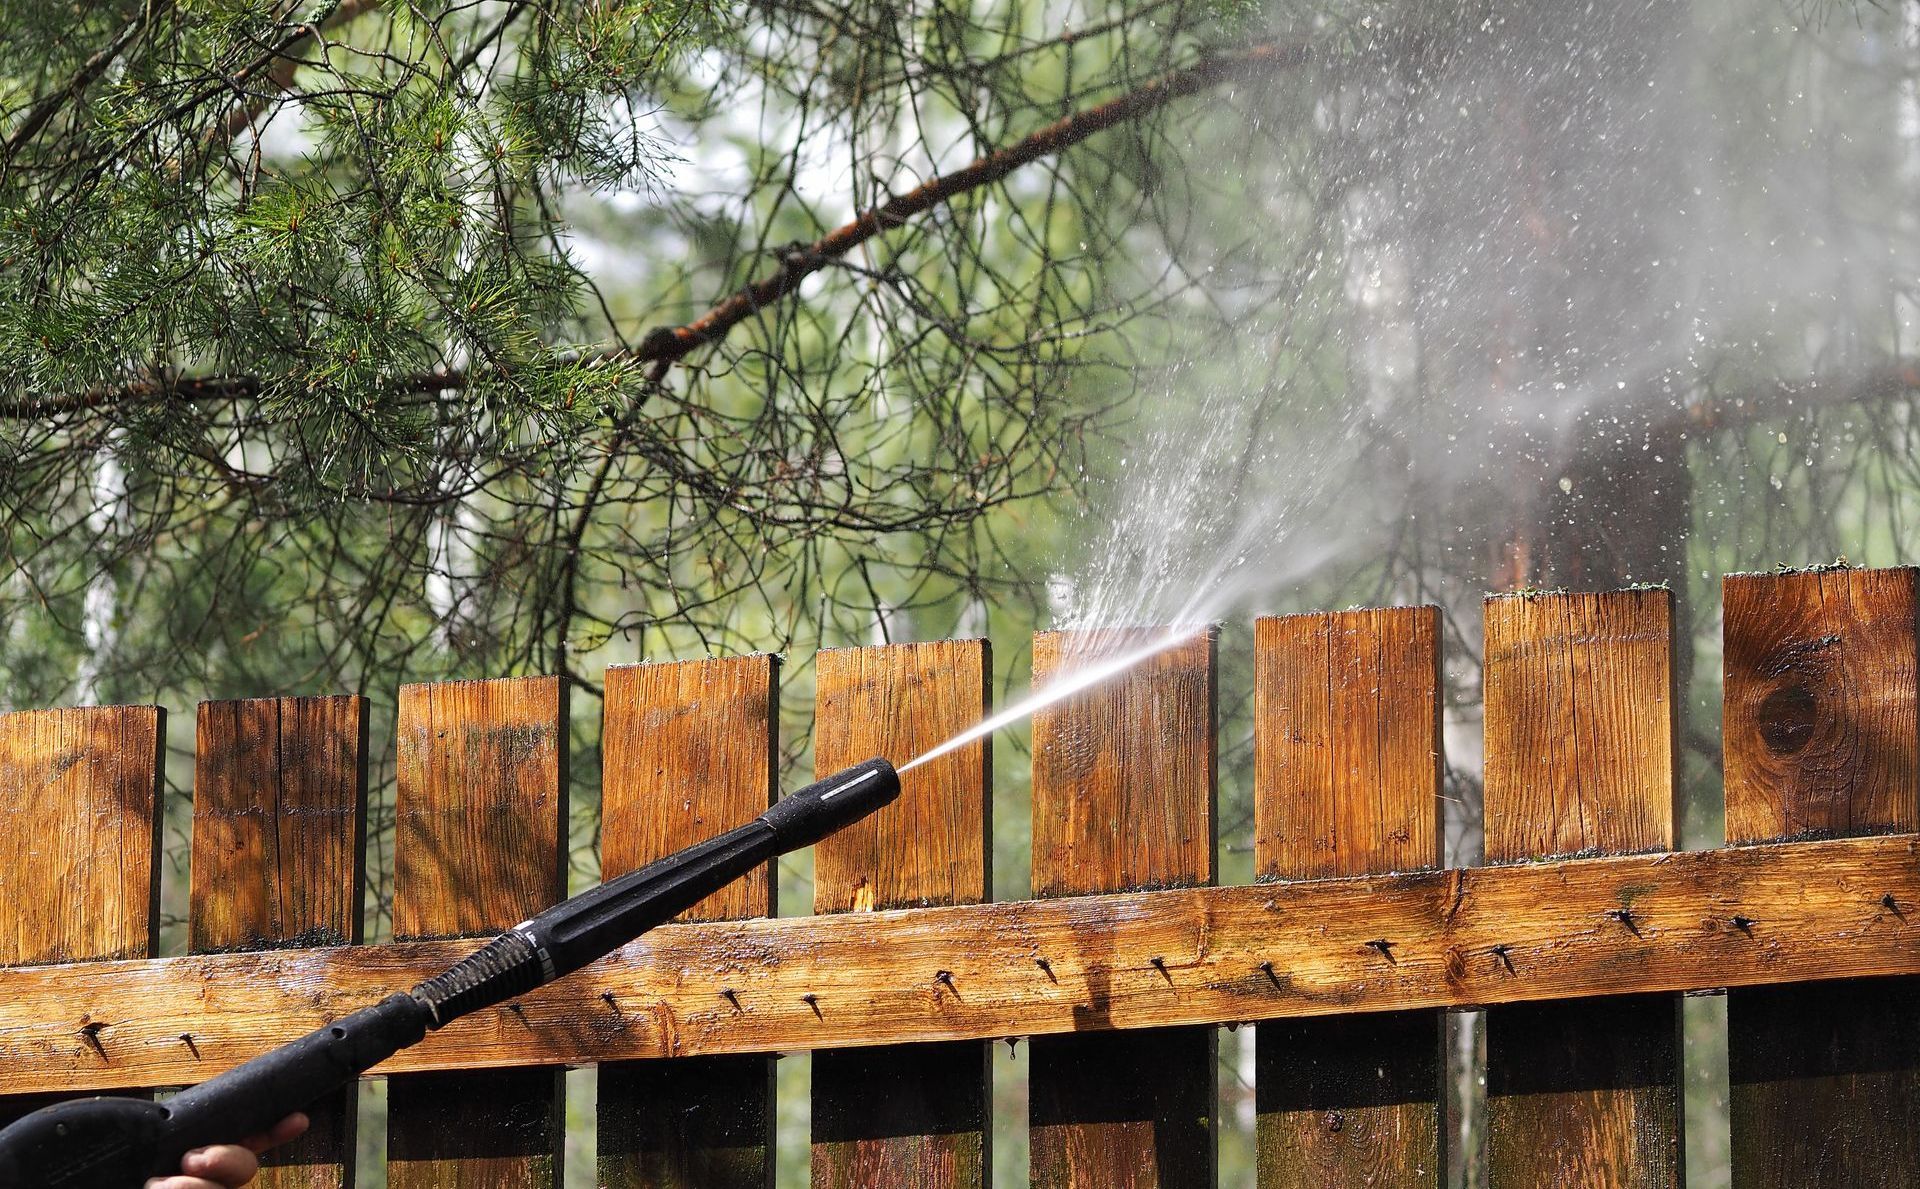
(810, 814)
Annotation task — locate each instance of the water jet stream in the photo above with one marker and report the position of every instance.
(1067, 684)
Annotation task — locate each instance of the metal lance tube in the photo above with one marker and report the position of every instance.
(117, 1143)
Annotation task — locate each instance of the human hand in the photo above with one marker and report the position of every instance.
(229, 1166)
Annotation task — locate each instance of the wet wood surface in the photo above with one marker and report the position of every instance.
(1822, 740)
(1347, 782)
(80, 814)
(905, 1116)
(689, 753)
(1848, 908)
(1580, 759)
(479, 845)
(1123, 798)
(279, 830)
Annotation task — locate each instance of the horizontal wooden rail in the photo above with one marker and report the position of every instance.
(1442, 939)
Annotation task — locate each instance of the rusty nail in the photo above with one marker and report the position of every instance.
(731, 996)
(812, 1001)
(1891, 905)
(1385, 948)
(1160, 964)
(1744, 924)
(186, 1038)
(944, 977)
(1046, 968)
(90, 1032)
(1625, 917)
(1266, 968)
(1503, 951)
(607, 997)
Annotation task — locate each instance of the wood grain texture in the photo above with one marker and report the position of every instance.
(79, 803)
(904, 1116)
(1820, 710)
(689, 752)
(480, 816)
(1461, 939)
(1123, 798)
(930, 846)
(1823, 740)
(1579, 735)
(1580, 759)
(80, 817)
(279, 823)
(1123, 774)
(1347, 763)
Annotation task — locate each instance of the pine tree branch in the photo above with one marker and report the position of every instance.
(281, 65)
(665, 346)
(42, 113)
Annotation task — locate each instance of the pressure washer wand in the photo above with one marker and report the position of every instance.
(116, 1143)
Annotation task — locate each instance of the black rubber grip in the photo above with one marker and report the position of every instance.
(506, 966)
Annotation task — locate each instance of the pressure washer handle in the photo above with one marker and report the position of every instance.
(116, 1143)
(598, 921)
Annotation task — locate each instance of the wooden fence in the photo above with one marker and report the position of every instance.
(1577, 938)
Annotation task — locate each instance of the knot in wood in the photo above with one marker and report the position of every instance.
(1786, 719)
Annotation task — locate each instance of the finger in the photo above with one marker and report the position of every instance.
(180, 1183)
(289, 1128)
(223, 1164)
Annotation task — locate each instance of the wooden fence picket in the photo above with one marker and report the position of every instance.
(1123, 797)
(80, 812)
(479, 845)
(904, 1116)
(1823, 740)
(279, 831)
(1347, 782)
(689, 751)
(1580, 760)
(1576, 938)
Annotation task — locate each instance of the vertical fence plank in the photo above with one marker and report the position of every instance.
(904, 1115)
(1823, 741)
(279, 826)
(479, 840)
(1579, 760)
(1347, 782)
(689, 752)
(1123, 798)
(79, 843)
